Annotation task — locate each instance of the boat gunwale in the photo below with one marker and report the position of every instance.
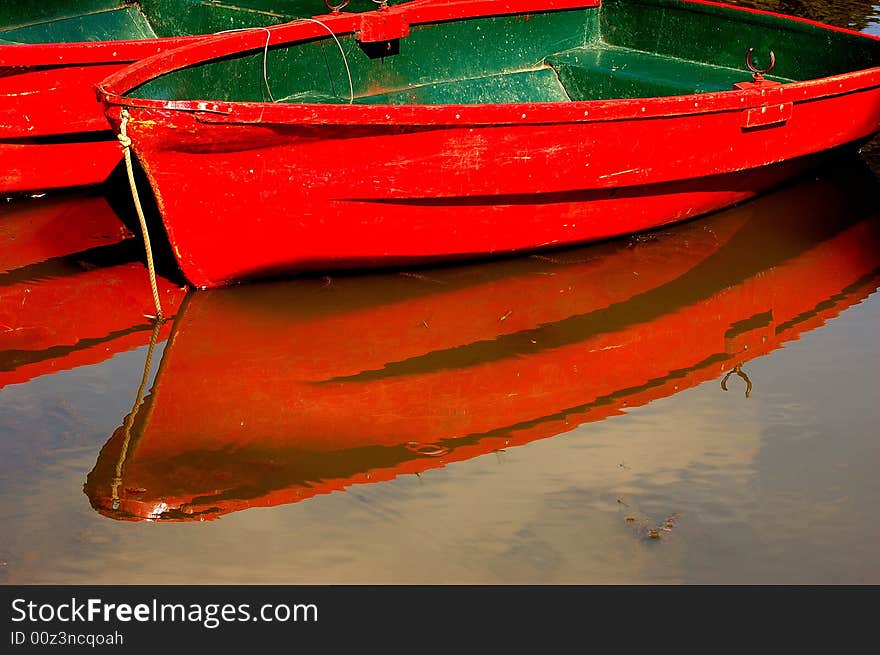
(32, 55)
(112, 90)
(68, 53)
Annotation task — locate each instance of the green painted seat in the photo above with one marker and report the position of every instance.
(540, 85)
(604, 72)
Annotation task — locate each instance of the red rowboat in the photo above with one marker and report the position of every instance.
(324, 384)
(71, 288)
(52, 53)
(455, 129)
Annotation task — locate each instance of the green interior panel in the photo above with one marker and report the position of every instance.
(613, 72)
(440, 57)
(120, 23)
(174, 17)
(721, 37)
(60, 21)
(20, 14)
(623, 49)
(540, 85)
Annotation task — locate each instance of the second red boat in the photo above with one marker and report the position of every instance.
(455, 129)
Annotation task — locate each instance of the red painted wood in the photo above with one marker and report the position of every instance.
(382, 26)
(775, 115)
(48, 92)
(235, 410)
(353, 185)
(58, 310)
(32, 166)
(419, 194)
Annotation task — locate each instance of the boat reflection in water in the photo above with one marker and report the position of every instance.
(275, 393)
(72, 289)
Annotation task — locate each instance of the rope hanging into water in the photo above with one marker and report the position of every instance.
(129, 420)
(125, 142)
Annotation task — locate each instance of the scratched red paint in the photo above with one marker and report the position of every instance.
(401, 189)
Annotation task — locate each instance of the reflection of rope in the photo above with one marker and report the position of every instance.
(129, 420)
(125, 142)
(738, 370)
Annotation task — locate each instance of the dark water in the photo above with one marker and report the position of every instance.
(547, 419)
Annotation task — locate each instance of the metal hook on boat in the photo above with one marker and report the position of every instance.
(335, 9)
(758, 73)
(383, 4)
(738, 370)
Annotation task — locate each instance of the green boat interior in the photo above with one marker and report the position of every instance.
(621, 49)
(65, 21)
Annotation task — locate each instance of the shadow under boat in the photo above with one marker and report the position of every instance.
(73, 288)
(274, 393)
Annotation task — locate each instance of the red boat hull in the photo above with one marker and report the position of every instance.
(249, 189)
(324, 198)
(53, 133)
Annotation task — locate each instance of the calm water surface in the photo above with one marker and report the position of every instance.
(548, 419)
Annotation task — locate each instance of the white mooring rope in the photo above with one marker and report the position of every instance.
(125, 142)
(266, 54)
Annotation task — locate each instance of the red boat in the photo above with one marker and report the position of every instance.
(325, 384)
(453, 129)
(52, 53)
(72, 290)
